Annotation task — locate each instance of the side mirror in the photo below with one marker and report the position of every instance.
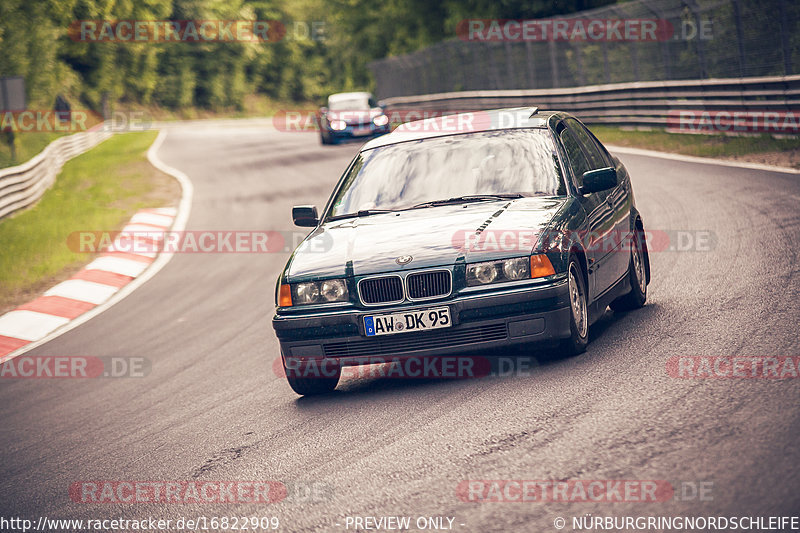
(323, 110)
(599, 180)
(305, 215)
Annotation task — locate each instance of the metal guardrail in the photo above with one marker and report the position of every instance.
(23, 185)
(650, 104)
(703, 39)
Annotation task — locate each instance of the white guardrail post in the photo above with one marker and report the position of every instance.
(23, 185)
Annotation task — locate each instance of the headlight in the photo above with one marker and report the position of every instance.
(519, 268)
(515, 269)
(380, 120)
(333, 290)
(482, 273)
(338, 125)
(319, 292)
(306, 293)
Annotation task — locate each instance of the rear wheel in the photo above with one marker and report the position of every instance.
(579, 315)
(323, 379)
(637, 276)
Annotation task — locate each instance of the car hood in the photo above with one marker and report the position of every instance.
(434, 236)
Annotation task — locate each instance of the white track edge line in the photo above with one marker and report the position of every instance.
(696, 159)
(178, 224)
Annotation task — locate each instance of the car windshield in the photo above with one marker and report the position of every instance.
(350, 104)
(409, 174)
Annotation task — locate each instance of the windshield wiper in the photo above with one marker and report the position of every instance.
(433, 203)
(469, 198)
(362, 213)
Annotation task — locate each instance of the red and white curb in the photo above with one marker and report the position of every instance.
(102, 283)
(92, 286)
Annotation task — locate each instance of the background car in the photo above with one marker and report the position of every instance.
(410, 267)
(355, 115)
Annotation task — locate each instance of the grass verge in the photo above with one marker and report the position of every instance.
(784, 152)
(27, 145)
(254, 106)
(98, 190)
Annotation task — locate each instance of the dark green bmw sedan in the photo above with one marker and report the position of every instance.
(461, 234)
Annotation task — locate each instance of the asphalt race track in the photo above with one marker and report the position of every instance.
(212, 408)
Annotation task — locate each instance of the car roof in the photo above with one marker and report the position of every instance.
(348, 96)
(460, 123)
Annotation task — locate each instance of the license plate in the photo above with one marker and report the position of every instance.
(407, 321)
(362, 131)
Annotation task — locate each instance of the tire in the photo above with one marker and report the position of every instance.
(323, 139)
(637, 276)
(579, 312)
(307, 386)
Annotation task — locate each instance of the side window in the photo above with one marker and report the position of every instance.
(577, 160)
(594, 156)
(373, 102)
(602, 149)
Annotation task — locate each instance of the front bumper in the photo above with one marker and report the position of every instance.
(481, 322)
(348, 132)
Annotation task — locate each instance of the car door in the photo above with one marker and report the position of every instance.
(617, 257)
(598, 213)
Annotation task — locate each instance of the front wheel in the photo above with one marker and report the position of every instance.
(317, 380)
(637, 276)
(579, 315)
